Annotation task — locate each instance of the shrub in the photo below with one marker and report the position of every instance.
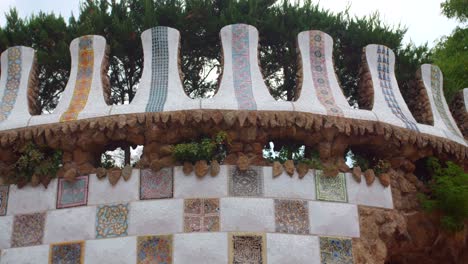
(207, 149)
(449, 194)
(43, 162)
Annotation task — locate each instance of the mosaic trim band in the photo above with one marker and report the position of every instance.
(84, 79)
(241, 68)
(438, 100)
(159, 70)
(320, 74)
(386, 86)
(13, 82)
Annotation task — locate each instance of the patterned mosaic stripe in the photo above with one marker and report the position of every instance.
(438, 100)
(386, 86)
(83, 79)
(13, 82)
(241, 68)
(159, 70)
(319, 74)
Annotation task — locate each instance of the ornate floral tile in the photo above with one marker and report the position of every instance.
(291, 217)
(247, 248)
(154, 249)
(331, 189)
(201, 215)
(336, 250)
(4, 189)
(156, 185)
(111, 220)
(247, 183)
(71, 194)
(28, 230)
(67, 252)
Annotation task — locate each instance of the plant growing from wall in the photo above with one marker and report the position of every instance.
(36, 164)
(382, 166)
(206, 149)
(360, 161)
(449, 194)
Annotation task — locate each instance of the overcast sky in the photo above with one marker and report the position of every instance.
(422, 17)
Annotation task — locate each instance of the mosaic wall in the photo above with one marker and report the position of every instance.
(84, 79)
(67, 253)
(241, 67)
(246, 183)
(3, 199)
(156, 185)
(320, 74)
(439, 101)
(159, 70)
(13, 82)
(179, 220)
(331, 189)
(383, 68)
(71, 194)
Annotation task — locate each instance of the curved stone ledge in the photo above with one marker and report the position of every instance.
(162, 113)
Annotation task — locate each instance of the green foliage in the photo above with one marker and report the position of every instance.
(360, 161)
(199, 21)
(314, 161)
(451, 55)
(206, 149)
(455, 9)
(449, 194)
(35, 160)
(382, 166)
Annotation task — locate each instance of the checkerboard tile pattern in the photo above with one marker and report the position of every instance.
(332, 189)
(111, 221)
(156, 185)
(154, 249)
(4, 189)
(201, 215)
(291, 217)
(246, 183)
(67, 252)
(28, 230)
(71, 194)
(159, 70)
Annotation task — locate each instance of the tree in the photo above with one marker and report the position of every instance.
(199, 22)
(451, 52)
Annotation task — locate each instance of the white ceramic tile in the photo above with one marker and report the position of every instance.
(285, 186)
(375, 195)
(191, 186)
(102, 192)
(333, 219)
(70, 224)
(25, 255)
(156, 217)
(6, 226)
(285, 248)
(247, 214)
(120, 250)
(32, 199)
(201, 248)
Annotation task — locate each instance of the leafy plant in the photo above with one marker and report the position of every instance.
(361, 161)
(207, 149)
(43, 162)
(449, 194)
(382, 166)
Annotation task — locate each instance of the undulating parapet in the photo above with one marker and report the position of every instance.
(459, 109)
(242, 86)
(432, 83)
(160, 87)
(381, 93)
(87, 88)
(17, 84)
(320, 91)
